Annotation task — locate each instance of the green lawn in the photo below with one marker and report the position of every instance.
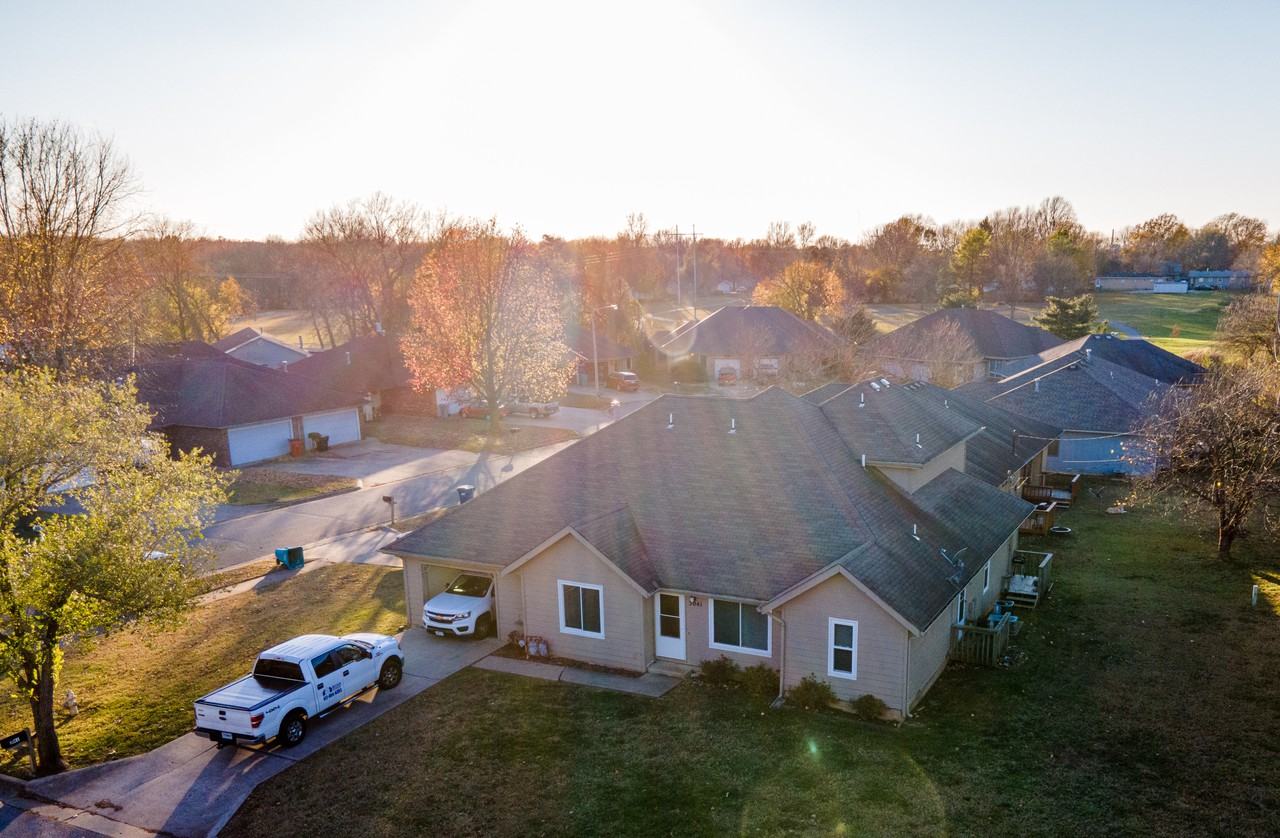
(1177, 322)
(135, 688)
(1146, 704)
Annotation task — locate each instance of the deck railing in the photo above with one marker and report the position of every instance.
(981, 645)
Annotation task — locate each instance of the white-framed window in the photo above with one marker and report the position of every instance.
(986, 576)
(960, 609)
(581, 608)
(739, 627)
(842, 648)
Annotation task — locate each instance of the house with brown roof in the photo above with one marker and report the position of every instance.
(753, 341)
(844, 540)
(241, 412)
(954, 346)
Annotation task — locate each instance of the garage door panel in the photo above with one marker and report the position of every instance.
(341, 426)
(253, 443)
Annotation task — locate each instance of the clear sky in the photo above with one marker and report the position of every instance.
(245, 118)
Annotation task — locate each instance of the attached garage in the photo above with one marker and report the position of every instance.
(718, 364)
(261, 441)
(424, 579)
(339, 425)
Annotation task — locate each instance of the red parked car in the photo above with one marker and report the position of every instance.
(480, 410)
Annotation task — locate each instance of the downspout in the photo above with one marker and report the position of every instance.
(782, 661)
(906, 680)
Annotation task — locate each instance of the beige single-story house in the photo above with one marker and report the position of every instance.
(753, 341)
(814, 538)
(953, 346)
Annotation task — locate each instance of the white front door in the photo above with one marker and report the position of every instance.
(669, 626)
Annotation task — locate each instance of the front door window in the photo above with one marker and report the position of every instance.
(669, 617)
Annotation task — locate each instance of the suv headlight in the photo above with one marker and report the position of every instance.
(464, 615)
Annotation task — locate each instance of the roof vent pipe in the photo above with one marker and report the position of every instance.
(671, 421)
(918, 445)
(864, 460)
(733, 426)
(348, 359)
(946, 403)
(915, 533)
(1037, 385)
(862, 399)
(284, 366)
(300, 341)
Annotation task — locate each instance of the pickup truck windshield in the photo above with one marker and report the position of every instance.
(285, 670)
(467, 585)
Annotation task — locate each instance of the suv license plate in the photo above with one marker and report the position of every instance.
(438, 633)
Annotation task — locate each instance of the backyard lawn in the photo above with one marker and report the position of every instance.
(1177, 322)
(135, 688)
(462, 434)
(1145, 704)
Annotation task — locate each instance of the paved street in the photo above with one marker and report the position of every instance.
(244, 533)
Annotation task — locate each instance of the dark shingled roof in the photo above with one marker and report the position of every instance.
(236, 338)
(1075, 393)
(820, 394)
(579, 340)
(748, 514)
(991, 456)
(223, 392)
(890, 425)
(1141, 356)
(361, 365)
(759, 330)
(989, 334)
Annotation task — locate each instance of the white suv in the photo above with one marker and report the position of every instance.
(463, 609)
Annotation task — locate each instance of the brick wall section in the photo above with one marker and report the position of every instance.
(209, 440)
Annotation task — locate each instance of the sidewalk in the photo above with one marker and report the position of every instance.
(649, 684)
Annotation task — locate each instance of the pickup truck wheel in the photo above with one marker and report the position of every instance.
(484, 627)
(293, 730)
(392, 670)
(535, 414)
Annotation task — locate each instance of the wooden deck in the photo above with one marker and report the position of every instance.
(979, 644)
(1029, 568)
(1053, 488)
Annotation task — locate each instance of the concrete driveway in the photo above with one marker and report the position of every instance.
(190, 788)
(376, 462)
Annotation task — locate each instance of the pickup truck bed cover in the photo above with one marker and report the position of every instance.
(250, 692)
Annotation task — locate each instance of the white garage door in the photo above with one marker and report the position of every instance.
(339, 425)
(727, 363)
(266, 441)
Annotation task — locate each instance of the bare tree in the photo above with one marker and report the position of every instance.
(1217, 447)
(1248, 327)
(372, 248)
(65, 284)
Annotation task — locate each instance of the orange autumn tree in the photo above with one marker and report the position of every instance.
(807, 289)
(486, 317)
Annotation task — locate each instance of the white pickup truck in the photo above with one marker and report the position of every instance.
(299, 680)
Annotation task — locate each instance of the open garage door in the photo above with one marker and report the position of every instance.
(339, 425)
(254, 443)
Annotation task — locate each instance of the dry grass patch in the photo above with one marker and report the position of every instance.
(264, 484)
(463, 434)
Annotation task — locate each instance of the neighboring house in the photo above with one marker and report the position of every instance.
(605, 353)
(753, 341)
(241, 412)
(1141, 356)
(834, 540)
(375, 366)
(1221, 280)
(952, 346)
(1099, 405)
(258, 347)
(1152, 283)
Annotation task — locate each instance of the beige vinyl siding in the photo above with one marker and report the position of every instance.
(929, 654)
(881, 644)
(911, 479)
(510, 605)
(697, 638)
(624, 644)
(413, 595)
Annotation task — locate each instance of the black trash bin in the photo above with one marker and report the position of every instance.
(466, 493)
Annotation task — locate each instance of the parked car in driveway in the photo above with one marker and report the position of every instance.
(624, 381)
(727, 377)
(463, 609)
(533, 409)
(481, 410)
(300, 680)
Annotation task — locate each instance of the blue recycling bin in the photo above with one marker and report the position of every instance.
(289, 557)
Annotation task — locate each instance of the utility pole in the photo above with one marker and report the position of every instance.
(694, 254)
(679, 296)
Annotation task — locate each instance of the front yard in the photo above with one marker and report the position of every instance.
(135, 689)
(264, 484)
(1145, 704)
(462, 434)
